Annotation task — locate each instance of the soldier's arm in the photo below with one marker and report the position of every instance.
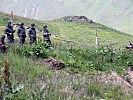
(50, 34)
(18, 32)
(14, 31)
(48, 31)
(6, 31)
(15, 24)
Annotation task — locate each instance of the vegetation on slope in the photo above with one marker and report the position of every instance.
(115, 13)
(41, 83)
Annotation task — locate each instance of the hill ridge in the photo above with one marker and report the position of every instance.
(114, 13)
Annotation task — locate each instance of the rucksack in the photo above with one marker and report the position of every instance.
(1, 43)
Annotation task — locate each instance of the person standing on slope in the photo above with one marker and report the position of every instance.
(21, 33)
(46, 35)
(32, 34)
(3, 48)
(9, 32)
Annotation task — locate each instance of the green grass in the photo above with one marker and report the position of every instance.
(83, 60)
(76, 34)
(83, 34)
(24, 70)
(79, 57)
(116, 14)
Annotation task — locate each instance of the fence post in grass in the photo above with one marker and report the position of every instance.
(96, 40)
(11, 15)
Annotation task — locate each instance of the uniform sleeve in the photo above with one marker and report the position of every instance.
(6, 31)
(29, 32)
(47, 31)
(18, 32)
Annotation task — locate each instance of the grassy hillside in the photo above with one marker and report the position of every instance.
(83, 77)
(114, 13)
(84, 34)
(78, 33)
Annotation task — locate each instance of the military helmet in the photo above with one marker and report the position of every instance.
(9, 22)
(45, 26)
(32, 24)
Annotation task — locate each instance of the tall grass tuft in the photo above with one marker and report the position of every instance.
(7, 90)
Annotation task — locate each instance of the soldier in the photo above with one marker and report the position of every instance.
(21, 33)
(130, 46)
(9, 32)
(3, 48)
(32, 34)
(46, 35)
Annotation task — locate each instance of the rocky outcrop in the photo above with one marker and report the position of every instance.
(53, 63)
(77, 18)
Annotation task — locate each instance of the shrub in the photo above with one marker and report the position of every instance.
(37, 50)
(7, 90)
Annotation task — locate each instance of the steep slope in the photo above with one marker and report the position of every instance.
(114, 13)
(87, 73)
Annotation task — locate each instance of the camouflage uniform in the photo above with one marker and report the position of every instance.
(2, 44)
(9, 32)
(32, 34)
(21, 34)
(46, 35)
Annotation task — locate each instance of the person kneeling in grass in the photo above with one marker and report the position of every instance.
(130, 46)
(3, 47)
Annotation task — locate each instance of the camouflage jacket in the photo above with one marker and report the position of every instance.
(32, 32)
(46, 34)
(21, 32)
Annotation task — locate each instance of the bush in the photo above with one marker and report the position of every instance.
(37, 50)
(102, 59)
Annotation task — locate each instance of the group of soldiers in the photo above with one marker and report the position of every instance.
(21, 32)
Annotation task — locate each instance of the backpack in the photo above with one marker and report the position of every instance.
(1, 43)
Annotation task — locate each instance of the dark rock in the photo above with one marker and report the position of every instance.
(53, 63)
(78, 18)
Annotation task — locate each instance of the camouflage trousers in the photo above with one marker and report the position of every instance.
(32, 40)
(48, 41)
(10, 39)
(22, 40)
